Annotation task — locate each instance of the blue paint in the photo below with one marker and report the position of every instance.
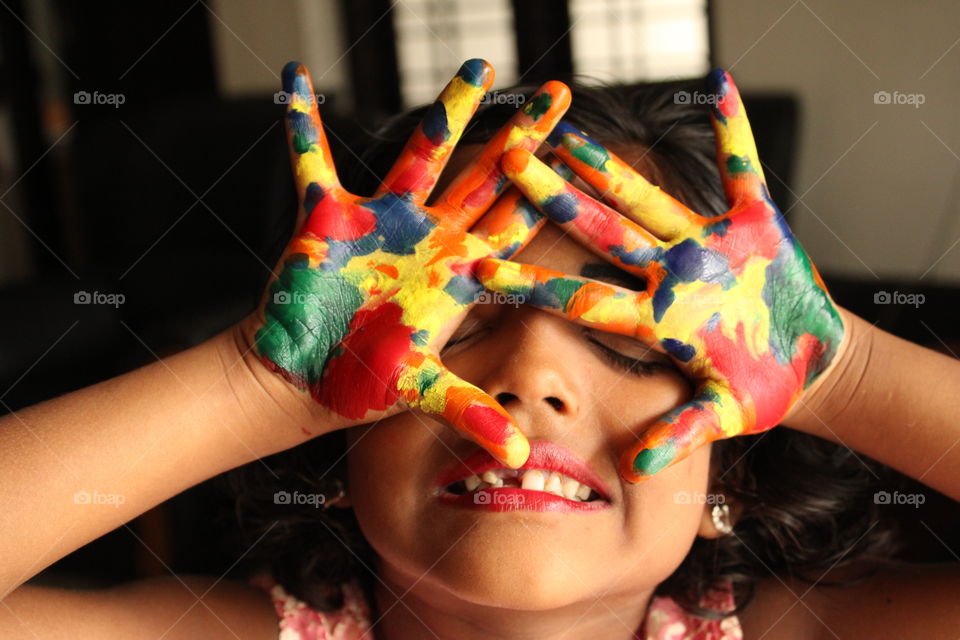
(679, 350)
(463, 289)
(400, 225)
(312, 197)
(561, 208)
(434, 124)
(639, 257)
(473, 71)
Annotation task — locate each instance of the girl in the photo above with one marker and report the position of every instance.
(631, 362)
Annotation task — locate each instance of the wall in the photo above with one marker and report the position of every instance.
(880, 183)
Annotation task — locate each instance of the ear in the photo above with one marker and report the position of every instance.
(708, 529)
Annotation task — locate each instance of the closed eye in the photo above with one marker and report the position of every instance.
(641, 367)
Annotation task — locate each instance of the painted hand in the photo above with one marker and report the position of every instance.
(733, 299)
(371, 287)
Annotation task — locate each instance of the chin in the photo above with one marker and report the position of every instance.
(512, 570)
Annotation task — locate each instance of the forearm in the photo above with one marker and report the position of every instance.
(891, 400)
(78, 466)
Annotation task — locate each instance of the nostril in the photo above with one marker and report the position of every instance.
(556, 403)
(505, 398)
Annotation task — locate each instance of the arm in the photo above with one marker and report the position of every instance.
(130, 443)
(892, 400)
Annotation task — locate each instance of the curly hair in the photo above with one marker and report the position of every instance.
(805, 505)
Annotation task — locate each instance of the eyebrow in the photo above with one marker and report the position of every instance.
(612, 275)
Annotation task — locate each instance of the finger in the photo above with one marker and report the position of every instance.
(509, 225)
(595, 225)
(713, 414)
(513, 221)
(428, 149)
(313, 169)
(737, 158)
(621, 186)
(425, 383)
(582, 300)
(479, 184)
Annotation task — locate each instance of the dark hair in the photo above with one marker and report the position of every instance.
(804, 504)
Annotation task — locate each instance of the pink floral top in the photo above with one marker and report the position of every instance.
(665, 619)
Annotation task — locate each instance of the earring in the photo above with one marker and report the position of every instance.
(340, 494)
(721, 518)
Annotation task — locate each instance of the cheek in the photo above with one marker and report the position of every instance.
(663, 515)
(387, 480)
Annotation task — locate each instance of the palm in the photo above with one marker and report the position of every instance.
(733, 299)
(369, 286)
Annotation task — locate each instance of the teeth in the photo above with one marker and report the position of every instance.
(554, 484)
(570, 488)
(532, 480)
(492, 479)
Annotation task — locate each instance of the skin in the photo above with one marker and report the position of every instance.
(734, 300)
(573, 574)
(153, 432)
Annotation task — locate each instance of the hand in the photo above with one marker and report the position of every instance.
(733, 299)
(371, 287)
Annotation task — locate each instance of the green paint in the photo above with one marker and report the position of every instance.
(591, 154)
(799, 306)
(307, 314)
(301, 143)
(538, 106)
(650, 461)
(739, 164)
(426, 378)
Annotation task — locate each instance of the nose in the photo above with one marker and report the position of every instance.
(536, 376)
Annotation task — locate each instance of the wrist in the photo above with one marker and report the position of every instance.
(276, 414)
(833, 393)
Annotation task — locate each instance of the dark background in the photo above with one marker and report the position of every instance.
(182, 199)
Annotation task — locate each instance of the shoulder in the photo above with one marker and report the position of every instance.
(884, 599)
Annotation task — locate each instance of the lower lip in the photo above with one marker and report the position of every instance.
(514, 499)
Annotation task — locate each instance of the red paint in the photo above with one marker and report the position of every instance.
(376, 344)
(335, 220)
(543, 455)
(769, 386)
(752, 233)
(514, 499)
(486, 423)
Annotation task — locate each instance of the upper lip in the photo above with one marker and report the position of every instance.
(543, 455)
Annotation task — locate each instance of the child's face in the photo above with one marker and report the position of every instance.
(564, 389)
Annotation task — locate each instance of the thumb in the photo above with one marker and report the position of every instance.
(713, 414)
(426, 384)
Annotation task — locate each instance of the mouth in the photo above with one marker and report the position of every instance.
(552, 482)
(553, 478)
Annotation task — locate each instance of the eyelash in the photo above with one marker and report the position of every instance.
(630, 365)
